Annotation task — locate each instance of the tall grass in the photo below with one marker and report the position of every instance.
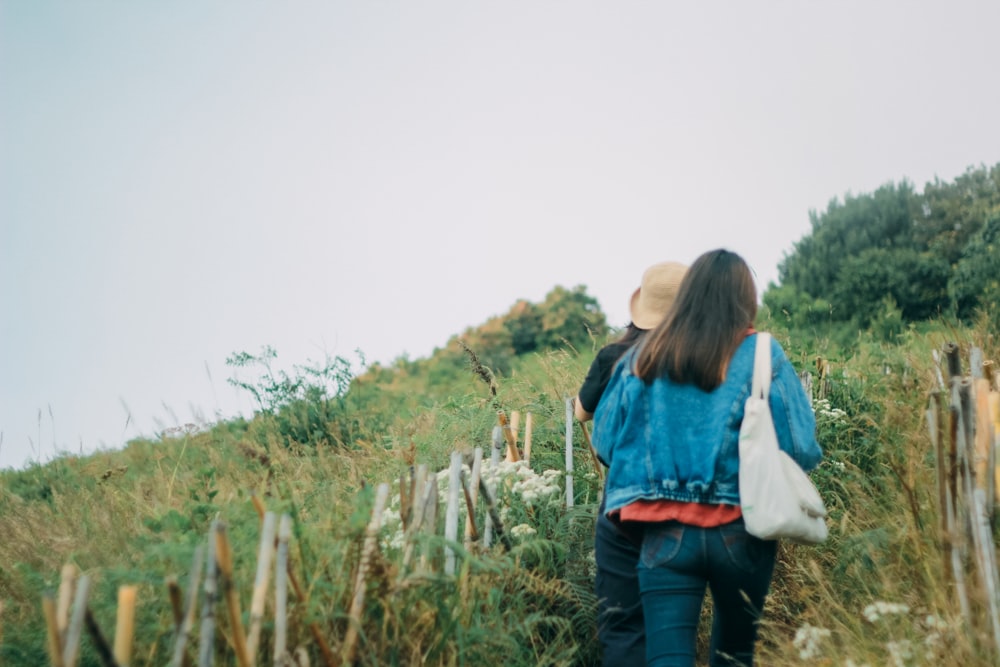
(876, 593)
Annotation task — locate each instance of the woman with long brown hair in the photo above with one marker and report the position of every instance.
(668, 426)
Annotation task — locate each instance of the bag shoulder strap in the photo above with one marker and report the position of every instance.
(762, 366)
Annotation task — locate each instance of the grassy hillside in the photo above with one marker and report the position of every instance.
(878, 588)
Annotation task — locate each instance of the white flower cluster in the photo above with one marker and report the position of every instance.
(808, 639)
(901, 652)
(533, 489)
(511, 484)
(936, 628)
(826, 412)
(522, 530)
(879, 609)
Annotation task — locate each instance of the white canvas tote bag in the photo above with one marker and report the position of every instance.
(777, 498)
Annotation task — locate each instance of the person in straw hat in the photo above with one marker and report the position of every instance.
(668, 426)
(620, 620)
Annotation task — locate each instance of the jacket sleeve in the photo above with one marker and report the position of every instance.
(791, 410)
(609, 416)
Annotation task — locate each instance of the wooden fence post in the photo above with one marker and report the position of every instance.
(495, 469)
(281, 592)
(67, 582)
(206, 638)
(265, 555)
(224, 554)
(187, 621)
(512, 454)
(52, 624)
(125, 625)
(471, 534)
(430, 518)
(451, 512)
(569, 453)
(417, 519)
(358, 601)
(529, 423)
(74, 631)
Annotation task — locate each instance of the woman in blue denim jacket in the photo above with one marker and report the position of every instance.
(668, 427)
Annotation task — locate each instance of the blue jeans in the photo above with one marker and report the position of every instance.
(676, 563)
(620, 626)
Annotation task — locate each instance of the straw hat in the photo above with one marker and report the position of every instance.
(656, 293)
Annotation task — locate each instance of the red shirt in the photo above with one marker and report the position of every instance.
(692, 514)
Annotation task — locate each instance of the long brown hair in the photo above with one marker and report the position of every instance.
(715, 306)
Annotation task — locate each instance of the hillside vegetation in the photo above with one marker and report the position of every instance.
(882, 282)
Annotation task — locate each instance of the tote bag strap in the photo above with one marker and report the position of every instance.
(762, 366)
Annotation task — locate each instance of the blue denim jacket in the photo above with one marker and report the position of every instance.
(670, 441)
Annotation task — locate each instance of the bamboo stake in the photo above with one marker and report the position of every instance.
(281, 592)
(935, 428)
(97, 639)
(176, 601)
(988, 565)
(404, 505)
(265, 556)
(493, 514)
(515, 424)
(569, 453)
(258, 505)
(952, 512)
(329, 659)
(430, 518)
(512, 453)
(125, 625)
(954, 361)
(451, 512)
(961, 486)
(528, 424)
(411, 493)
(937, 368)
(472, 535)
(993, 399)
(206, 638)
(224, 555)
(471, 496)
(984, 441)
(71, 649)
(358, 602)
(495, 470)
(982, 543)
(976, 362)
(593, 453)
(52, 625)
(187, 623)
(412, 530)
(67, 581)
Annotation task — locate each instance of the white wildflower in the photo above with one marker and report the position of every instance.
(936, 627)
(807, 641)
(878, 609)
(936, 623)
(522, 530)
(900, 652)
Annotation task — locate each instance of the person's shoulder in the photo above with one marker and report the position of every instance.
(612, 351)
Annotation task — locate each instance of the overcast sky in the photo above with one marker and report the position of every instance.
(181, 180)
